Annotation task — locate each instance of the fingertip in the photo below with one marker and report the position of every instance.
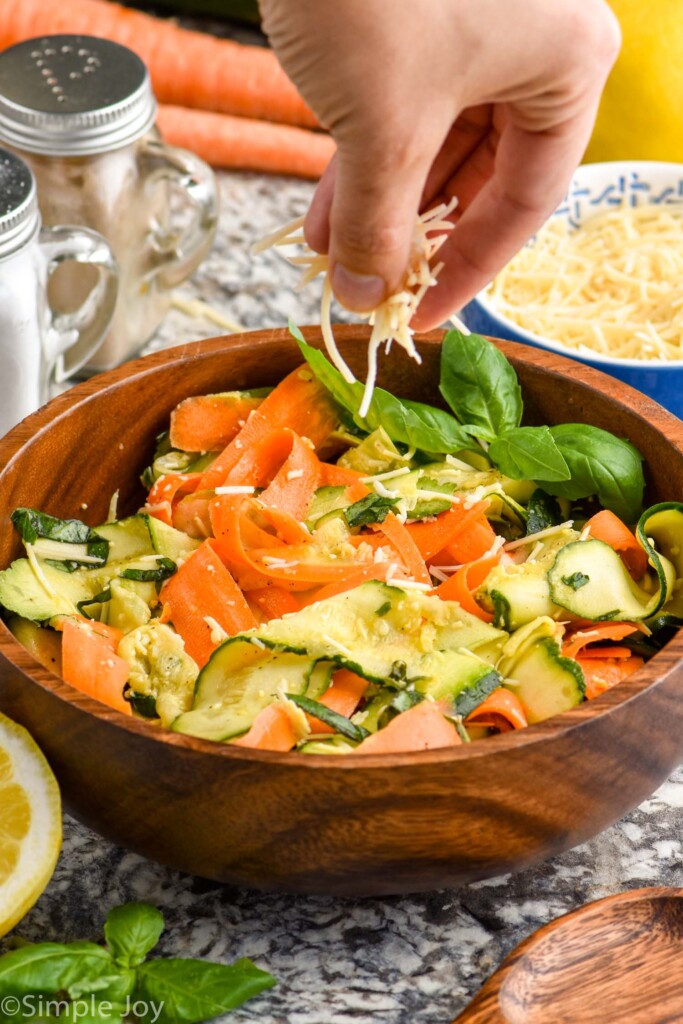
(358, 292)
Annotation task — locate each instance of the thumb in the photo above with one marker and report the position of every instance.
(376, 197)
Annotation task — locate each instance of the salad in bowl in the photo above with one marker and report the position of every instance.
(303, 577)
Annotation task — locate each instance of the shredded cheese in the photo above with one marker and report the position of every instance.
(113, 507)
(390, 321)
(533, 537)
(218, 634)
(614, 286)
(234, 489)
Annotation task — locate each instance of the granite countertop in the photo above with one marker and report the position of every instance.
(400, 960)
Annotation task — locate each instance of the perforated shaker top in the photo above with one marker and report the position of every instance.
(68, 95)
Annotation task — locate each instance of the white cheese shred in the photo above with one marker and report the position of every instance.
(390, 321)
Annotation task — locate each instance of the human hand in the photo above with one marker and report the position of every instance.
(492, 101)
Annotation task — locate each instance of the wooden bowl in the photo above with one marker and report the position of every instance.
(316, 824)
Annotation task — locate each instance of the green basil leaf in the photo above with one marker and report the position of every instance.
(32, 524)
(480, 384)
(143, 704)
(407, 422)
(340, 723)
(543, 511)
(101, 598)
(92, 1012)
(529, 453)
(190, 991)
(373, 508)
(165, 567)
(49, 967)
(600, 464)
(405, 700)
(472, 696)
(576, 580)
(132, 931)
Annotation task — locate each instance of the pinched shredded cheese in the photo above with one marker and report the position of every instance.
(390, 321)
(613, 286)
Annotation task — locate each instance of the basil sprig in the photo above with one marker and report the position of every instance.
(118, 981)
(412, 423)
(571, 460)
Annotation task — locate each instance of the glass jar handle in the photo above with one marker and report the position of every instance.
(179, 253)
(87, 325)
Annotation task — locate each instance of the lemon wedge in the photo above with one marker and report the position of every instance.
(30, 823)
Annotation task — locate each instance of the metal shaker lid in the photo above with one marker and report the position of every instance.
(70, 95)
(19, 218)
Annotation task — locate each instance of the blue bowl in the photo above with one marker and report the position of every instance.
(596, 188)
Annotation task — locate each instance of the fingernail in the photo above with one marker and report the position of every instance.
(361, 292)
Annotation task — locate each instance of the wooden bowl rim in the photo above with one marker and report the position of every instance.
(560, 725)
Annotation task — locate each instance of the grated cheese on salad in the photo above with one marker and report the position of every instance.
(391, 320)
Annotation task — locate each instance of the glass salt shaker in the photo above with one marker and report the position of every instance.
(80, 111)
(36, 341)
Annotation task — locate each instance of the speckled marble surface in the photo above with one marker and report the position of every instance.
(403, 960)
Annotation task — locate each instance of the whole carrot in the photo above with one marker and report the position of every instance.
(188, 68)
(225, 141)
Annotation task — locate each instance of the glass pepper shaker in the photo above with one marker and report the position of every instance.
(80, 111)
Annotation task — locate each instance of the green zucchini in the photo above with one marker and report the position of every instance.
(607, 591)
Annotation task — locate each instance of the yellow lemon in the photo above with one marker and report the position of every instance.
(640, 112)
(30, 823)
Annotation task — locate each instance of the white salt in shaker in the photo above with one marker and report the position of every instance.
(34, 339)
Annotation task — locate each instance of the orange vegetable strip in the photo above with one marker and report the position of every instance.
(338, 476)
(606, 652)
(272, 729)
(245, 143)
(192, 68)
(288, 528)
(461, 585)
(596, 632)
(422, 727)
(400, 538)
(90, 664)
(204, 587)
(434, 536)
(259, 463)
(169, 487)
(292, 487)
(274, 602)
(501, 702)
(206, 423)
(607, 527)
(602, 674)
(343, 696)
(471, 544)
(299, 402)
(191, 515)
(162, 511)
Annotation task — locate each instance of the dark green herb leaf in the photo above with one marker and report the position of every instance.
(165, 567)
(405, 700)
(190, 991)
(144, 704)
(543, 511)
(340, 723)
(373, 508)
(101, 598)
(32, 525)
(398, 672)
(132, 931)
(480, 384)
(600, 464)
(576, 580)
(383, 609)
(412, 423)
(432, 507)
(529, 453)
(49, 967)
